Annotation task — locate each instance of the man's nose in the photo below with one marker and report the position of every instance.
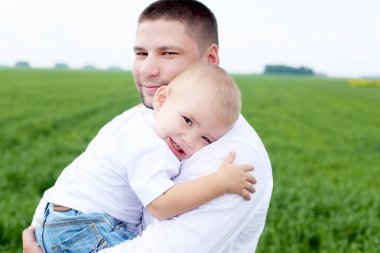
(150, 66)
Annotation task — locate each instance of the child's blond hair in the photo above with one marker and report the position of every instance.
(224, 93)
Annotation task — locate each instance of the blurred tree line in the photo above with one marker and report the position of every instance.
(283, 69)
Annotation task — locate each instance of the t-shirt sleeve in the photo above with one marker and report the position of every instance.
(151, 171)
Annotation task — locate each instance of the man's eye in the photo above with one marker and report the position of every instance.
(141, 54)
(207, 139)
(187, 120)
(169, 53)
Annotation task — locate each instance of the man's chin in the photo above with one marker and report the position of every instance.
(147, 101)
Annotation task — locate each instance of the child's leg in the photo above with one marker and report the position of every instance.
(39, 229)
(73, 231)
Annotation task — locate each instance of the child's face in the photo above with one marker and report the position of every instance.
(187, 122)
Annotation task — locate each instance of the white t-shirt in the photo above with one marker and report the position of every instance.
(226, 224)
(123, 169)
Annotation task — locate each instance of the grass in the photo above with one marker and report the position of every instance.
(322, 136)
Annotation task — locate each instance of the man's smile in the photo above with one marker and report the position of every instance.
(149, 89)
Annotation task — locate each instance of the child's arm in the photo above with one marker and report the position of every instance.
(183, 197)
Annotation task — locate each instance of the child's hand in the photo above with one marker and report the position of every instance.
(237, 178)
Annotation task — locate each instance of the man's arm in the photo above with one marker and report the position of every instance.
(183, 197)
(220, 225)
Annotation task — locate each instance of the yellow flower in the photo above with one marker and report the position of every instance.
(364, 83)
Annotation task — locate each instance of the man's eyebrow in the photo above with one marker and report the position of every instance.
(160, 48)
(138, 48)
(169, 47)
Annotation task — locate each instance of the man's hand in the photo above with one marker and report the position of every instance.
(237, 178)
(29, 243)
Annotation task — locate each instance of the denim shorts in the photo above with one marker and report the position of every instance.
(73, 231)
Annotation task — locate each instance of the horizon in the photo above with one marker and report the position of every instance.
(91, 67)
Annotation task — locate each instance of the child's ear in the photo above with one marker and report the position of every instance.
(160, 97)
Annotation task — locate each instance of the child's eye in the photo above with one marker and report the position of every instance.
(207, 139)
(187, 120)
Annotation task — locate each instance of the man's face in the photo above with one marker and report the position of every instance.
(162, 51)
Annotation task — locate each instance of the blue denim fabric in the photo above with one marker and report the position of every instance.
(73, 231)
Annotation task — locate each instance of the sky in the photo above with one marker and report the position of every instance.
(339, 38)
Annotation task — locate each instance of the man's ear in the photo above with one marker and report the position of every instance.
(160, 97)
(212, 54)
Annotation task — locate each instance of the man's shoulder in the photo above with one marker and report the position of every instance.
(137, 123)
(242, 136)
(127, 123)
(241, 130)
(132, 114)
(137, 110)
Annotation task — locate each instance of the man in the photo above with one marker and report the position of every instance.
(172, 35)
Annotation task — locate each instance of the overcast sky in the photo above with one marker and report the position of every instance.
(336, 37)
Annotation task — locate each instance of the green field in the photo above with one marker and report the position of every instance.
(322, 135)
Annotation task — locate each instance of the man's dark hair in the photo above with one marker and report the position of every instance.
(200, 22)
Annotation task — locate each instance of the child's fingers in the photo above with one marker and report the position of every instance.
(230, 158)
(246, 167)
(246, 195)
(250, 178)
(249, 187)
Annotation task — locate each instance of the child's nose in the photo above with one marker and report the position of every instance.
(189, 139)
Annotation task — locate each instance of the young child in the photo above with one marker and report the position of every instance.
(98, 199)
